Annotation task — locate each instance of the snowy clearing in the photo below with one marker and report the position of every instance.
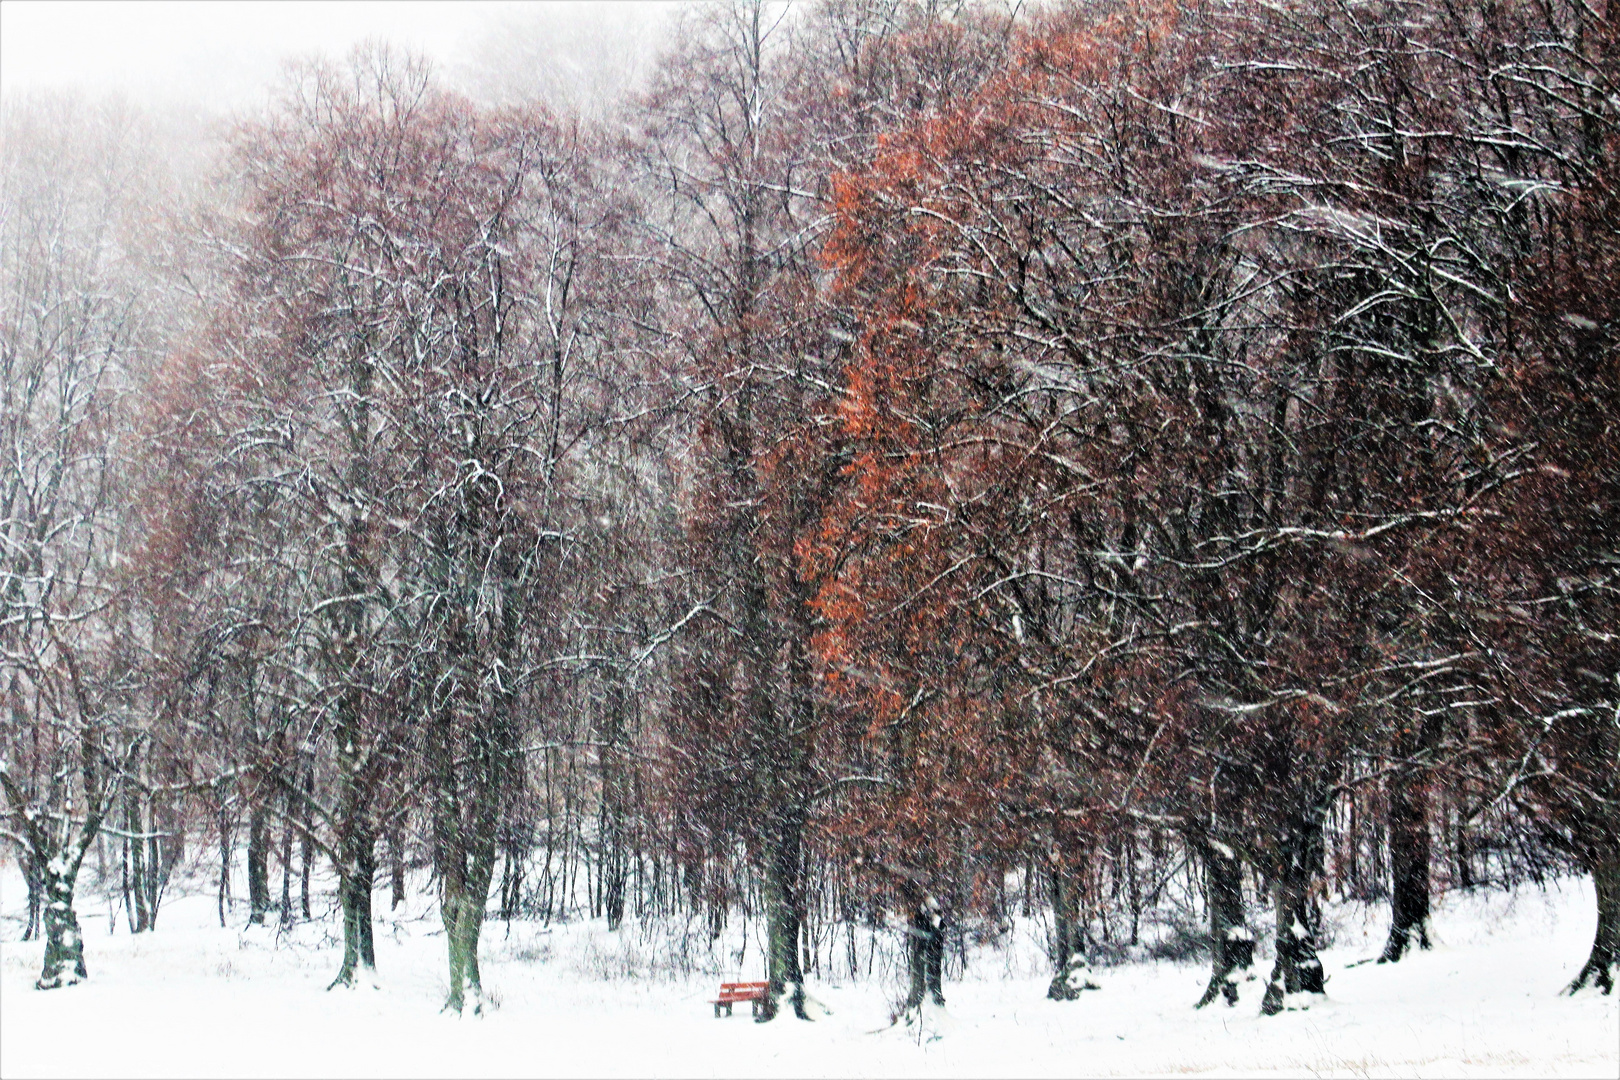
(575, 1000)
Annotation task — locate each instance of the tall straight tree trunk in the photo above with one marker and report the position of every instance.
(783, 885)
(474, 760)
(225, 838)
(140, 912)
(462, 911)
(1231, 944)
(258, 864)
(1598, 970)
(161, 857)
(1409, 856)
(925, 954)
(1410, 851)
(356, 866)
(615, 794)
(286, 862)
(783, 815)
(305, 842)
(1069, 961)
(1299, 859)
(466, 854)
(396, 864)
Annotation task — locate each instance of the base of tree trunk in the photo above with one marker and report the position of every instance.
(1234, 955)
(360, 975)
(1598, 971)
(1072, 981)
(64, 944)
(1401, 939)
(792, 995)
(1300, 973)
(927, 1019)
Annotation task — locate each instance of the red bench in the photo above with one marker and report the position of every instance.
(731, 993)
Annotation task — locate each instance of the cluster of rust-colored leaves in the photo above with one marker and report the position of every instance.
(1212, 415)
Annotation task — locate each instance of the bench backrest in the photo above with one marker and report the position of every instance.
(731, 988)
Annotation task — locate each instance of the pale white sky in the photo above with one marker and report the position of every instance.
(221, 55)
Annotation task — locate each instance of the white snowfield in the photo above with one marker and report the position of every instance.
(195, 1000)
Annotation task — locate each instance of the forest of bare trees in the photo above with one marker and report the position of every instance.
(894, 465)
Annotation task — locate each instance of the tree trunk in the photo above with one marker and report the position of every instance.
(1297, 969)
(286, 863)
(1598, 970)
(356, 866)
(306, 843)
(258, 865)
(224, 860)
(396, 865)
(1231, 944)
(1409, 867)
(140, 910)
(783, 882)
(511, 880)
(1069, 960)
(462, 911)
(36, 896)
(925, 954)
(64, 945)
(612, 819)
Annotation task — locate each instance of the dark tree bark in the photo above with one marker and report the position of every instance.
(36, 897)
(140, 908)
(1409, 855)
(306, 781)
(1231, 943)
(226, 838)
(396, 865)
(783, 887)
(1598, 971)
(286, 861)
(1298, 865)
(356, 866)
(925, 954)
(1069, 960)
(258, 864)
(64, 944)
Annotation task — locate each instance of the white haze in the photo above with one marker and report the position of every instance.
(219, 57)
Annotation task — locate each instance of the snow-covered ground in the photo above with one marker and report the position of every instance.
(195, 1000)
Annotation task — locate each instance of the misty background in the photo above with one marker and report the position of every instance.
(203, 60)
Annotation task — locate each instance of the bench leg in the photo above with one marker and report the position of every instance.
(717, 1010)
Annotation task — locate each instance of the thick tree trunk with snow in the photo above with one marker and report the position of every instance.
(462, 911)
(1598, 971)
(1297, 969)
(1409, 867)
(1069, 960)
(466, 853)
(925, 954)
(1231, 944)
(356, 865)
(64, 945)
(473, 756)
(782, 873)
